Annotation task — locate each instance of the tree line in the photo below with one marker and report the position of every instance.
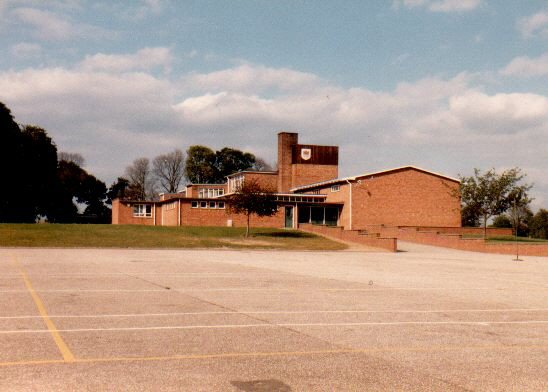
(40, 182)
(503, 197)
(144, 179)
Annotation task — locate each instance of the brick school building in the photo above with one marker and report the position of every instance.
(309, 190)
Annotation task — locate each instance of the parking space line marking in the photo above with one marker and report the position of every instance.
(63, 348)
(244, 312)
(270, 325)
(279, 354)
(267, 289)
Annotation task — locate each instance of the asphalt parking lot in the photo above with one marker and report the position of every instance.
(215, 320)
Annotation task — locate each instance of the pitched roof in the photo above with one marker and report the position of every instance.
(354, 178)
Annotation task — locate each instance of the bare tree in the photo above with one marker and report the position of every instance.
(140, 179)
(261, 165)
(169, 169)
(73, 157)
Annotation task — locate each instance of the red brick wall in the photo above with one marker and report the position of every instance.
(407, 197)
(303, 174)
(122, 214)
(265, 180)
(385, 243)
(219, 217)
(455, 241)
(169, 211)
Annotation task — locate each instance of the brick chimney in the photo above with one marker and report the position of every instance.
(286, 141)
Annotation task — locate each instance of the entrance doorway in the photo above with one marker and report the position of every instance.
(289, 217)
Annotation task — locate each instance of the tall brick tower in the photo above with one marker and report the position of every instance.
(286, 141)
(300, 164)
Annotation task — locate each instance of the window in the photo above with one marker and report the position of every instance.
(212, 204)
(142, 210)
(221, 204)
(194, 204)
(209, 193)
(335, 188)
(203, 204)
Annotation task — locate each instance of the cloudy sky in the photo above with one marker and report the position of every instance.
(447, 85)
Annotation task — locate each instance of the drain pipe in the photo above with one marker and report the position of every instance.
(350, 203)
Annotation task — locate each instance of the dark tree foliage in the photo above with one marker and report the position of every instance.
(229, 161)
(10, 161)
(75, 184)
(141, 183)
(200, 165)
(119, 190)
(538, 224)
(203, 166)
(502, 221)
(40, 168)
(39, 185)
(251, 198)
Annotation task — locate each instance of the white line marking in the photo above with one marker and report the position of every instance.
(185, 290)
(235, 326)
(243, 313)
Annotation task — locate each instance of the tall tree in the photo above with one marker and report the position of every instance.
(251, 198)
(229, 161)
(10, 161)
(140, 179)
(119, 190)
(169, 169)
(488, 194)
(39, 168)
(200, 165)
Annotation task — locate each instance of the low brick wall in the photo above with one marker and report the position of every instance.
(374, 240)
(455, 241)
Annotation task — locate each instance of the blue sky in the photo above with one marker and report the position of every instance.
(447, 85)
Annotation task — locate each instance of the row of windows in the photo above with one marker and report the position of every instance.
(208, 204)
(170, 206)
(298, 199)
(208, 193)
(142, 210)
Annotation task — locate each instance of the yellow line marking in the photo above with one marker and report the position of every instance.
(275, 354)
(65, 351)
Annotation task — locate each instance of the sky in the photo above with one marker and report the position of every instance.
(446, 85)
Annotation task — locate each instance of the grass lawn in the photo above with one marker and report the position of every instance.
(132, 236)
(507, 238)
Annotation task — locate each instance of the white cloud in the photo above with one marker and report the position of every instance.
(248, 78)
(54, 26)
(527, 67)
(440, 5)
(144, 59)
(534, 25)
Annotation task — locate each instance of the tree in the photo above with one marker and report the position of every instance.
(251, 198)
(203, 166)
(200, 165)
(229, 161)
(519, 211)
(487, 194)
(539, 224)
(140, 179)
(71, 157)
(119, 190)
(502, 221)
(169, 170)
(261, 165)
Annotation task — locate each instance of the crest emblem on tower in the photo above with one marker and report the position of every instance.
(306, 153)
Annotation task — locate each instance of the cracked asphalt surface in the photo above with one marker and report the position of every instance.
(220, 320)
